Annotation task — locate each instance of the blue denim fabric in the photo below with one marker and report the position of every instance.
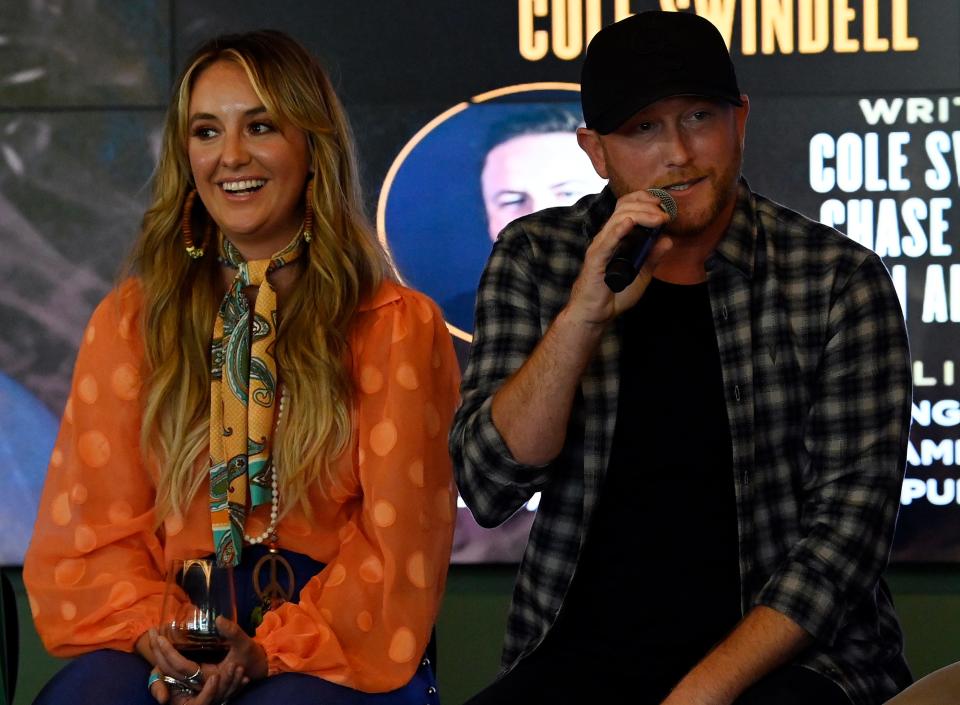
(108, 677)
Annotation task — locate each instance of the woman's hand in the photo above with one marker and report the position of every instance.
(213, 683)
(244, 653)
(173, 694)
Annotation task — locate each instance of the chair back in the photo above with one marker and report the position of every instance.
(941, 687)
(9, 640)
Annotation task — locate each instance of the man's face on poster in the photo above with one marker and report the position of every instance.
(532, 172)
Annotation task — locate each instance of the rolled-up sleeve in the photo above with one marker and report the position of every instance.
(508, 326)
(856, 438)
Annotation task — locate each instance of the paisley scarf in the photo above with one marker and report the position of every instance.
(242, 396)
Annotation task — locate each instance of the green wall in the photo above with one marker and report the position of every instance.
(475, 612)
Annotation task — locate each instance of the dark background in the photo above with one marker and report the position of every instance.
(83, 87)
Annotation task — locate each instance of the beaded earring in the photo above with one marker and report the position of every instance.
(186, 228)
(308, 212)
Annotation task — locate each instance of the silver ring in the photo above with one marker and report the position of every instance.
(196, 677)
(180, 686)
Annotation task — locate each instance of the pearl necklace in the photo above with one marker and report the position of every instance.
(269, 532)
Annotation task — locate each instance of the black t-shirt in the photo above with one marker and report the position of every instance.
(657, 583)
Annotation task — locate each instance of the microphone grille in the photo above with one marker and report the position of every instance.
(666, 201)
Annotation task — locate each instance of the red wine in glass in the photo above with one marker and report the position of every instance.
(197, 592)
(212, 653)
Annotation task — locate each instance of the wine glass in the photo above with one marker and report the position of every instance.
(197, 592)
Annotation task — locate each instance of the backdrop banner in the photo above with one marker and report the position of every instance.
(465, 115)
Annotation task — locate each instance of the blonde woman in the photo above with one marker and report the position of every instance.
(259, 386)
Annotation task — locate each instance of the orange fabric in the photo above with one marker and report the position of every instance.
(94, 569)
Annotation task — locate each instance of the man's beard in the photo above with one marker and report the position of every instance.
(693, 223)
(723, 186)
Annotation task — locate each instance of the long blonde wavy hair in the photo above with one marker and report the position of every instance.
(344, 264)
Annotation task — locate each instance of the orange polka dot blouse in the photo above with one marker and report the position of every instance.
(94, 570)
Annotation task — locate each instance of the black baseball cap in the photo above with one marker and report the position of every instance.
(650, 56)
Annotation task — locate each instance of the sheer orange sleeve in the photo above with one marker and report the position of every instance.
(93, 570)
(365, 619)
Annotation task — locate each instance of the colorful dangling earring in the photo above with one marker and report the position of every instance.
(186, 227)
(308, 212)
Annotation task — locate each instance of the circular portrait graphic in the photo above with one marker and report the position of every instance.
(469, 172)
(454, 186)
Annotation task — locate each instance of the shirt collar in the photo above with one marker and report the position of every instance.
(598, 208)
(738, 246)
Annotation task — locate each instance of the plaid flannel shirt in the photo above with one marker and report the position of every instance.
(815, 364)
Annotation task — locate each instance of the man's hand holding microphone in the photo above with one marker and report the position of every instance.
(621, 259)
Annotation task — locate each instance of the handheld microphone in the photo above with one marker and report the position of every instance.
(635, 246)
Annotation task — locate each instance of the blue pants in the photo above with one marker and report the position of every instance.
(115, 678)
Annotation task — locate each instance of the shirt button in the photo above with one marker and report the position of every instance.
(736, 392)
(723, 311)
